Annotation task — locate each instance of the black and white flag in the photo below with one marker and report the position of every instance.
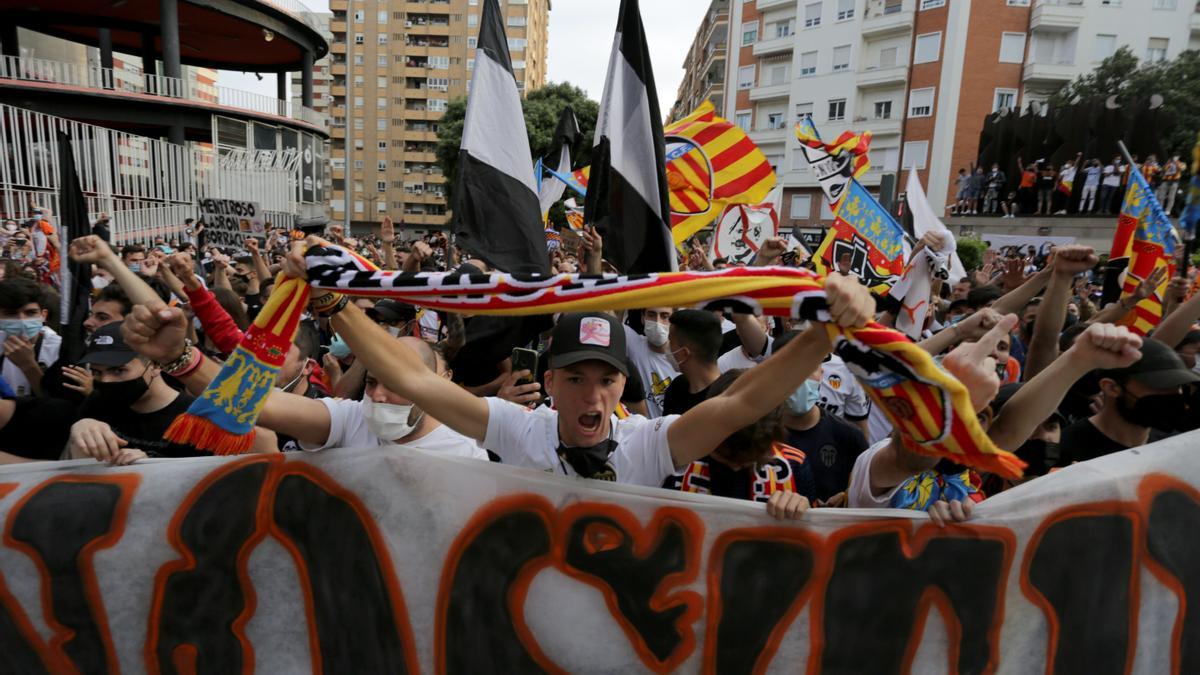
(565, 135)
(627, 189)
(496, 213)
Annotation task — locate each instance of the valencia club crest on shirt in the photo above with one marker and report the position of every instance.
(594, 331)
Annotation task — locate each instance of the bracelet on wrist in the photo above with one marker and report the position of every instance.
(182, 363)
(321, 303)
(329, 310)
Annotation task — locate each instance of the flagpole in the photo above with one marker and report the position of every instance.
(1182, 270)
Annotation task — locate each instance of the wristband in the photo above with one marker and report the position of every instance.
(328, 311)
(324, 303)
(184, 363)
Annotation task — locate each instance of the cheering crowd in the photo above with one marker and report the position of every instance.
(729, 404)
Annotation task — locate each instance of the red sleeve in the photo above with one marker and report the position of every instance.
(216, 322)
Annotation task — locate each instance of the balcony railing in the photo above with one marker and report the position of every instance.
(95, 77)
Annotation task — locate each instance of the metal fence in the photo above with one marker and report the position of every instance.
(94, 77)
(147, 187)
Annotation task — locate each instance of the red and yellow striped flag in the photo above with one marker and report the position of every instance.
(1145, 236)
(711, 163)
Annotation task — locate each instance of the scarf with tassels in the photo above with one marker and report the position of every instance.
(928, 407)
(222, 419)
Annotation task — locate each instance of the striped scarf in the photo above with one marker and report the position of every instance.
(928, 407)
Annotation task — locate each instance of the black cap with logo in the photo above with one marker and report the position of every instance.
(392, 311)
(588, 336)
(106, 347)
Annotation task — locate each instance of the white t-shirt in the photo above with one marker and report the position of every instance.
(529, 438)
(859, 495)
(1093, 176)
(654, 368)
(46, 356)
(841, 393)
(879, 426)
(1112, 177)
(348, 429)
(736, 358)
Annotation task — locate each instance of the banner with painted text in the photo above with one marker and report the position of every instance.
(229, 221)
(390, 560)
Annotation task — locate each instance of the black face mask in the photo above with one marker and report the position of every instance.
(591, 462)
(119, 395)
(1158, 411)
(1041, 456)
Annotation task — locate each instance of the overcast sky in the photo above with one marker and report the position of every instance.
(581, 33)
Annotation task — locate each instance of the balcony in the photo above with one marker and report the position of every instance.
(1195, 20)
(337, 26)
(1049, 73)
(771, 91)
(1057, 16)
(886, 20)
(874, 77)
(339, 5)
(767, 136)
(38, 73)
(764, 5)
(777, 45)
(879, 127)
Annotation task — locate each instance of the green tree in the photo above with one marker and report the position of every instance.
(1123, 75)
(970, 252)
(541, 109)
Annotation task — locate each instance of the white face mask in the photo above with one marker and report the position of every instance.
(656, 333)
(389, 421)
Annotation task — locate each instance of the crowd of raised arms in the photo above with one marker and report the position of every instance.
(733, 405)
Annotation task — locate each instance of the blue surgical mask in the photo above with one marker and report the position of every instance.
(136, 268)
(803, 399)
(339, 348)
(26, 328)
(954, 319)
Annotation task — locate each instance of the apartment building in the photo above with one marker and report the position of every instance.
(395, 67)
(921, 75)
(704, 65)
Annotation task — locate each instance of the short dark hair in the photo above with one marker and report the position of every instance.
(961, 303)
(308, 341)
(699, 331)
(980, 297)
(130, 249)
(114, 293)
(17, 292)
(753, 442)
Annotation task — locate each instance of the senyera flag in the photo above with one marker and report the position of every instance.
(711, 164)
(869, 236)
(1144, 236)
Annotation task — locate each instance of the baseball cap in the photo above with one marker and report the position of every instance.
(588, 336)
(1160, 368)
(106, 347)
(392, 311)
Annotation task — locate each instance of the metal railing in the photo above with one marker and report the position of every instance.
(147, 186)
(95, 77)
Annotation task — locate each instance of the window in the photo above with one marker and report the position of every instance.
(845, 10)
(841, 58)
(358, 102)
(1012, 48)
(932, 4)
(517, 44)
(920, 102)
(382, 145)
(381, 186)
(439, 62)
(883, 110)
(518, 64)
(437, 104)
(1005, 98)
(801, 207)
(743, 120)
(358, 123)
(358, 59)
(358, 38)
(884, 159)
(516, 21)
(1156, 49)
(472, 19)
(1104, 46)
(381, 125)
(358, 16)
(812, 15)
(381, 61)
(745, 77)
(837, 109)
(775, 120)
(381, 103)
(777, 72)
(928, 48)
(381, 82)
(1165, 4)
(358, 206)
(472, 43)
(383, 39)
(781, 29)
(1110, 3)
(804, 111)
(915, 153)
(888, 56)
(808, 64)
(381, 16)
(749, 32)
(1018, 3)
(438, 83)
(358, 163)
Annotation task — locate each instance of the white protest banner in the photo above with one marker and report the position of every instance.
(742, 229)
(389, 560)
(229, 221)
(1026, 246)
